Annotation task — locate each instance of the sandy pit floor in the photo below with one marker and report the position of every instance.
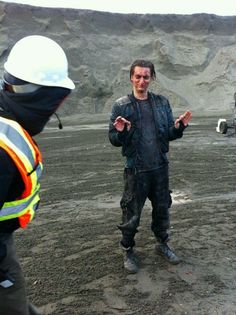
(71, 255)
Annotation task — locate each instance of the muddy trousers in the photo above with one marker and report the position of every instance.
(13, 300)
(138, 186)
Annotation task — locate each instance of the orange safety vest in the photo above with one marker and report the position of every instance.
(25, 154)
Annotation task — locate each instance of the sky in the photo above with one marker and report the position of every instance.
(218, 7)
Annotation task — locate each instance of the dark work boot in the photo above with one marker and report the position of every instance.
(165, 251)
(130, 260)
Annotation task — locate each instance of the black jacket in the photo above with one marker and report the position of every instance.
(128, 107)
(11, 185)
(32, 111)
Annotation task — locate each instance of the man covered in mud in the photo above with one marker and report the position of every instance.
(35, 83)
(142, 124)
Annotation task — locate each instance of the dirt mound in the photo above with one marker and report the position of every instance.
(193, 54)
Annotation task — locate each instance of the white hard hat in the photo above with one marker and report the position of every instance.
(39, 60)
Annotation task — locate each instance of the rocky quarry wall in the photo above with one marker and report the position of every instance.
(194, 55)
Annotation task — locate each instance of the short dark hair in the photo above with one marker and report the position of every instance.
(144, 64)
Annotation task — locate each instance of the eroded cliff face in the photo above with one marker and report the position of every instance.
(194, 55)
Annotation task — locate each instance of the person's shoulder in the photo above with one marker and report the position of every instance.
(124, 100)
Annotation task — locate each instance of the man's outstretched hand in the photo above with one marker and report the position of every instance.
(185, 118)
(120, 123)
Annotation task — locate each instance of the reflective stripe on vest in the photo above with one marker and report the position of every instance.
(27, 158)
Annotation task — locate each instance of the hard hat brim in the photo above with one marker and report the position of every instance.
(10, 79)
(67, 83)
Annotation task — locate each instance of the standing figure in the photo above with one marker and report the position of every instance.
(142, 124)
(35, 82)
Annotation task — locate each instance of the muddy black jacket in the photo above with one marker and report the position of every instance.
(128, 107)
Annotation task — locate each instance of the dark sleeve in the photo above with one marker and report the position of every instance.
(8, 172)
(116, 138)
(174, 133)
(11, 187)
(178, 132)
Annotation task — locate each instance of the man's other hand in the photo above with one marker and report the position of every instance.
(185, 118)
(120, 123)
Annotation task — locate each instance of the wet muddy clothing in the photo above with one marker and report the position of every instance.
(146, 174)
(149, 156)
(139, 186)
(129, 108)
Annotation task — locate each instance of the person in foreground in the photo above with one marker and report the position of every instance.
(142, 124)
(35, 82)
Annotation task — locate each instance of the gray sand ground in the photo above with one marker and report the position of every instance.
(70, 253)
